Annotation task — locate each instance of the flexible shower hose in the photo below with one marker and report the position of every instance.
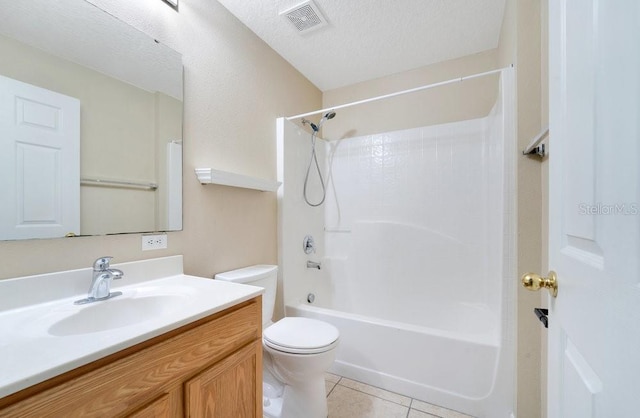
(314, 159)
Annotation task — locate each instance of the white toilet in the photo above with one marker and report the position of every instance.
(297, 352)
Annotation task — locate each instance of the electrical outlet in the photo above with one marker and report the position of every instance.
(154, 242)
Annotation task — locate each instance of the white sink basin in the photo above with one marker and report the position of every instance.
(116, 313)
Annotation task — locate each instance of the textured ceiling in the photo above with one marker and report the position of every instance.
(77, 31)
(367, 39)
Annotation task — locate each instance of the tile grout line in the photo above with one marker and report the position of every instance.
(334, 386)
(419, 410)
(409, 408)
(369, 394)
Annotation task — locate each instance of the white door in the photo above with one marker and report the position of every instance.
(594, 206)
(39, 162)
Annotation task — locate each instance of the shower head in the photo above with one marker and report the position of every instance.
(326, 117)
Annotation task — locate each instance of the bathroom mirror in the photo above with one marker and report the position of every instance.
(116, 93)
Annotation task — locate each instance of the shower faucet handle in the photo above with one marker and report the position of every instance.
(308, 245)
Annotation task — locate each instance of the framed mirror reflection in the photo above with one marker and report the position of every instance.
(90, 124)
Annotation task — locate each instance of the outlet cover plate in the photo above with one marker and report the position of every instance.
(154, 242)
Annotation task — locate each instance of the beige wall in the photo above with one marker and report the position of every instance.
(442, 104)
(544, 181)
(521, 42)
(235, 87)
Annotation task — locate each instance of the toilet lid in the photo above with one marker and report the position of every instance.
(300, 334)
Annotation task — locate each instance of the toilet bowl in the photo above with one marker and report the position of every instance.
(296, 353)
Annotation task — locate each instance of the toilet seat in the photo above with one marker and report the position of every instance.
(301, 336)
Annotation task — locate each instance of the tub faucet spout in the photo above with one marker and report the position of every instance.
(313, 265)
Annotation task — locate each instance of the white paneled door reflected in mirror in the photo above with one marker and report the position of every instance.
(90, 124)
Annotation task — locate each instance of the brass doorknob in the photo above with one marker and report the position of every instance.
(532, 281)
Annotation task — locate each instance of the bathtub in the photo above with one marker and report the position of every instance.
(417, 242)
(457, 361)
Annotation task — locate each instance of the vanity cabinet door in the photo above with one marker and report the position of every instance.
(230, 388)
(163, 406)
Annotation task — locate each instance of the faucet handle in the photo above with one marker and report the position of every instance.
(117, 274)
(102, 263)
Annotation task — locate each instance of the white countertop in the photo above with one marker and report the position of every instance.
(36, 345)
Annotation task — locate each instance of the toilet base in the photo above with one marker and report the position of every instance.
(304, 400)
(272, 407)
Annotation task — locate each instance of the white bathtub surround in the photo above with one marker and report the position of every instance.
(418, 257)
(409, 359)
(40, 337)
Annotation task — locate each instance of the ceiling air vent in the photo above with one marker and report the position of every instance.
(305, 17)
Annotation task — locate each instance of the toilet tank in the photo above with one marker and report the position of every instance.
(265, 276)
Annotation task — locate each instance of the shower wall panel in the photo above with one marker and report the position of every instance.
(413, 221)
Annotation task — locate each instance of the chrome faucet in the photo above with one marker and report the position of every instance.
(100, 288)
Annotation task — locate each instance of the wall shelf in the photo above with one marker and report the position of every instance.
(225, 178)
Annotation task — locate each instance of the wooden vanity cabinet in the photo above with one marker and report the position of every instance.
(209, 368)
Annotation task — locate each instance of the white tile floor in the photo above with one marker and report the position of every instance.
(350, 399)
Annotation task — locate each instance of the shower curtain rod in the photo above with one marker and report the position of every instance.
(399, 93)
